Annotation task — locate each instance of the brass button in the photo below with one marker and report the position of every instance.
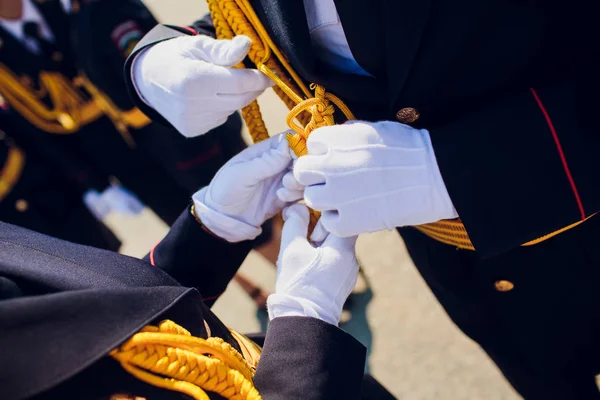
(66, 121)
(407, 115)
(504, 286)
(21, 205)
(57, 56)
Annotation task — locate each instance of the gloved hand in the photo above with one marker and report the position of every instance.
(312, 281)
(97, 206)
(122, 201)
(190, 82)
(242, 195)
(366, 177)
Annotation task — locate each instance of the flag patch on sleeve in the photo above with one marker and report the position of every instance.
(125, 36)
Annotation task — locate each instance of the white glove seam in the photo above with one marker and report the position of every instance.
(292, 284)
(366, 169)
(378, 146)
(380, 194)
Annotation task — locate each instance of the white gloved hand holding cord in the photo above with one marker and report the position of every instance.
(191, 81)
(243, 194)
(366, 177)
(312, 281)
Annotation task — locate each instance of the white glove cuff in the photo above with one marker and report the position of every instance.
(448, 211)
(283, 305)
(221, 225)
(136, 74)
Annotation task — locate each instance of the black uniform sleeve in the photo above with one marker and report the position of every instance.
(159, 34)
(109, 31)
(66, 160)
(308, 359)
(520, 144)
(198, 259)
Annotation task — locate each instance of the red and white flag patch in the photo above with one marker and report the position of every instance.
(125, 36)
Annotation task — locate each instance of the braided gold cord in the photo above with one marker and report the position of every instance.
(307, 112)
(251, 113)
(168, 356)
(69, 111)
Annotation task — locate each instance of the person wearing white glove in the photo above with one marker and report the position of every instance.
(367, 177)
(243, 194)
(312, 281)
(95, 204)
(191, 81)
(114, 198)
(122, 201)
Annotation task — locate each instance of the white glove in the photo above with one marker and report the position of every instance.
(122, 201)
(366, 177)
(190, 82)
(97, 206)
(243, 194)
(312, 281)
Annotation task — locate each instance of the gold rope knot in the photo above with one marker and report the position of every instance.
(168, 356)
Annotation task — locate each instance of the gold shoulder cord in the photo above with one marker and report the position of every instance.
(70, 110)
(169, 357)
(11, 171)
(308, 110)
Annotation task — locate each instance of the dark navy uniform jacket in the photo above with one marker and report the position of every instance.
(63, 307)
(42, 192)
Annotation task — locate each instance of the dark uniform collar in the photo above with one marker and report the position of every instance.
(286, 23)
(384, 37)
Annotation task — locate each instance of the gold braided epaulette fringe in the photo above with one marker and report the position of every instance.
(11, 171)
(169, 357)
(311, 107)
(70, 109)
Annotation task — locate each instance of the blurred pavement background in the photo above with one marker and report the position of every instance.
(415, 350)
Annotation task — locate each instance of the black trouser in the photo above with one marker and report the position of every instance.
(543, 334)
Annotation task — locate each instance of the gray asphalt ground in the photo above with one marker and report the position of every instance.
(415, 350)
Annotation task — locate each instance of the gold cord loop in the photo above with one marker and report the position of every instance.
(168, 356)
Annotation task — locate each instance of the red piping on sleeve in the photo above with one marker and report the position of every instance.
(210, 154)
(561, 153)
(152, 255)
(190, 29)
(211, 297)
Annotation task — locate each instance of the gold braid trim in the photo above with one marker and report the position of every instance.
(11, 171)
(169, 357)
(70, 109)
(70, 112)
(236, 17)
